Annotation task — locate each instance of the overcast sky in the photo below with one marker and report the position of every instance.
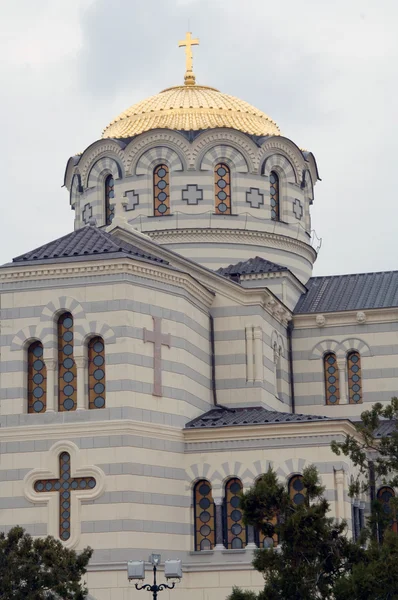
(326, 72)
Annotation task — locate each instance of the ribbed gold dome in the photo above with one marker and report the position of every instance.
(190, 107)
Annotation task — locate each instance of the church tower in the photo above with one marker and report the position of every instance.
(204, 174)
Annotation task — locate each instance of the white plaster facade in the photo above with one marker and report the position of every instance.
(235, 343)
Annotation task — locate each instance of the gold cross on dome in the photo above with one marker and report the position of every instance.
(188, 43)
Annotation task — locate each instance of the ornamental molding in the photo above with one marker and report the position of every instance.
(144, 270)
(52, 498)
(173, 141)
(240, 142)
(341, 349)
(283, 146)
(346, 318)
(107, 149)
(262, 238)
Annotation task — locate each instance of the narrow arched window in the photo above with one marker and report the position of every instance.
(109, 197)
(161, 191)
(234, 529)
(384, 496)
(222, 189)
(204, 516)
(331, 374)
(297, 490)
(67, 394)
(37, 379)
(96, 373)
(354, 377)
(264, 541)
(274, 196)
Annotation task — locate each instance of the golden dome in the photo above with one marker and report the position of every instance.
(190, 108)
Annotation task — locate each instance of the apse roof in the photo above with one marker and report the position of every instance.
(255, 415)
(88, 242)
(253, 265)
(349, 292)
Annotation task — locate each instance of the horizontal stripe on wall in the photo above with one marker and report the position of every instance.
(136, 525)
(134, 497)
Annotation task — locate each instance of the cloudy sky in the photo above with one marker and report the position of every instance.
(326, 72)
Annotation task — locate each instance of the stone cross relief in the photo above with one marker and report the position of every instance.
(159, 339)
(255, 198)
(87, 213)
(133, 200)
(298, 209)
(192, 194)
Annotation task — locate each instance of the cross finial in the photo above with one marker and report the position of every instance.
(189, 77)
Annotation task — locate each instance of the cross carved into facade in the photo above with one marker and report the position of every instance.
(87, 213)
(64, 485)
(159, 339)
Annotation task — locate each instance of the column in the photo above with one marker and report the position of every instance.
(219, 524)
(251, 545)
(340, 509)
(361, 515)
(357, 523)
(258, 354)
(51, 366)
(249, 354)
(342, 364)
(81, 366)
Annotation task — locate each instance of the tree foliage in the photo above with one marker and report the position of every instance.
(314, 550)
(40, 569)
(376, 456)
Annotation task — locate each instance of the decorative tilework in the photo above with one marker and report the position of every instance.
(298, 209)
(133, 200)
(192, 194)
(255, 198)
(65, 485)
(204, 516)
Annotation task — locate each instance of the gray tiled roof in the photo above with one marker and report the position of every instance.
(386, 428)
(349, 292)
(256, 415)
(253, 265)
(86, 242)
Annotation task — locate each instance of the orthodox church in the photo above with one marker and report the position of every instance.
(156, 360)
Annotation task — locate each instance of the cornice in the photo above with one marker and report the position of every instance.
(308, 429)
(343, 318)
(55, 431)
(264, 238)
(109, 267)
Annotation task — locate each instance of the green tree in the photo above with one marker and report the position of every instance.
(40, 569)
(314, 551)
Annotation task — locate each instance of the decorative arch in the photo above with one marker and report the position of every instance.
(24, 338)
(147, 141)
(281, 146)
(103, 167)
(322, 348)
(234, 139)
(281, 166)
(104, 148)
(86, 330)
(384, 496)
(340, 348)
(161, 154)
(47, 330)
(218, 478)
(78, 469)
(277, 343)
(224, 153)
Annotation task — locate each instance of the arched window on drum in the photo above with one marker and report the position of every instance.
(37, 379)
(204, 516)
(109, 198)
(274, 196)
(331, 373)
(222, 189)
(67, 391)
(96, 373)
(354, 377)
(384, 496)
(297, 491)
(234, 528)
(161, 191)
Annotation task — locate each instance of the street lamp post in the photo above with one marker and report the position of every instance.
(172, 570)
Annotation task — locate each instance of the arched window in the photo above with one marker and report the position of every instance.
(109, 196)
(274, 196)
(234, 529)
(37, 379)
(204, 516)
(354, 377)
(263, 541)
(297, 490)
(222, 189)
(67, 395)
(161, 191)
(331, 378)
(96, 373)
(384, 496)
